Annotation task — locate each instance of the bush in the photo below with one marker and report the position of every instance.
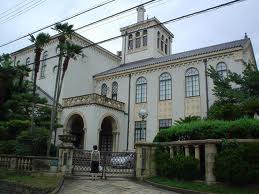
(209, 129)
(184, 168)
(32, 144)
(238, 164)
(180, 167)
(7, 147)
(223, 111)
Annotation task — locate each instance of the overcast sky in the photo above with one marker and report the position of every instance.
(227, 24)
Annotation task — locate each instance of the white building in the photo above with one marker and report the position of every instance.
(103, 93)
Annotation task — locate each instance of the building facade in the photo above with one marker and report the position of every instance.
(103, 93)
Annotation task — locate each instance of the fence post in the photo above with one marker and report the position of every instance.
(66, 150)
(210, 153)
(197, 151)
(139, 164)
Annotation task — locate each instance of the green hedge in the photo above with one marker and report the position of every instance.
(180, 167)
(209, 129)
(238, 164)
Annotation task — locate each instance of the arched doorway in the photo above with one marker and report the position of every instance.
(106, 138)
(76, 126)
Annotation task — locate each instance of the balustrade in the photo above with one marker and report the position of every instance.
(93, 99)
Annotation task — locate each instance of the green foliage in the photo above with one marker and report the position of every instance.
(180, 167)
(237, 95)
(209, 129)
(7, 147)
(184, 168)
(32, 143)
(187, 119)
(238, 164)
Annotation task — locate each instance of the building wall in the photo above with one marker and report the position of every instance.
(180, 106)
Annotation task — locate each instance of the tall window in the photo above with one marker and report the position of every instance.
(104, 90)
(165, 123)
(222, 69)
(158, 39)
(141, 90)
(130, 42)
(144, 37)
(192, 85)
(140, 131)
(44, 64)
(28, 61)
(165, 87)
(162, 43)
(138, 40)
(114, 90)
(166, 46)
(18, 62)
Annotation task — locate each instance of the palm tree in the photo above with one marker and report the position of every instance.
(70, 52)
(40, 41)
(66, 31)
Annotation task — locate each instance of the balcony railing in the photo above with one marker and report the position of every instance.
(93, 99)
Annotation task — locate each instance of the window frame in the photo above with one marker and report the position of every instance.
(166, 81)
(115, 88)
(142, 131)
(144, 38)
(222, 71)
(197, 76)
(43, 65)
(142, 91)
(158, 39)
(137, 40)
(170, 121)
(130, 40)
(104, 86)
(162, 43)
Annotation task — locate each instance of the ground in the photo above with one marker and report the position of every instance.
(118, 186)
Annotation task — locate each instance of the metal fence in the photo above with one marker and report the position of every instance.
(112, 164)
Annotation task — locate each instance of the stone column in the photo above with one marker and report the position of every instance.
(210, 153)
(139, 161)
(197, 151)
(152, 166)
(171, 151)
(186, 150)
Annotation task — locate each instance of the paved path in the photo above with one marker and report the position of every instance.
(121, 186)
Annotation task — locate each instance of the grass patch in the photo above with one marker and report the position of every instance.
(199, 186)
(30, 180)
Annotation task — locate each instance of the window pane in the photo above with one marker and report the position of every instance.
(192, 82)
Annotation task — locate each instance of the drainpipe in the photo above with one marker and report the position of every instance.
(206, 85)
(128, 112)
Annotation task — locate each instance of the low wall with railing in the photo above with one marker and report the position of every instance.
(29, 163)
(203, 150)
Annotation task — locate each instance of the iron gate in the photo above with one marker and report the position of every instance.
(112, 164)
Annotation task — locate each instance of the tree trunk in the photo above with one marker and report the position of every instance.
(53, 110)
(36, 70)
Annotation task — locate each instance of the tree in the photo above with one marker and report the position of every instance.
(15, 114)
(40, 41)
(66, 31)
(237, 95)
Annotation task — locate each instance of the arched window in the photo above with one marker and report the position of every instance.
(162, 43)
(138, 40)
(130, 42)
(144, 37)
(28, 61)
(104, 90)
(192, 83)
(43, 65)
(165, 87)
(141, 90)
(166, 46)
(158, 39)
(18, 62)
(222, 69)
(114, 90)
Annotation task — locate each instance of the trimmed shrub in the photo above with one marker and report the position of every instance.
(209, 129)
(180, 167)
(238, 164)
(184, 168)
(7, 147)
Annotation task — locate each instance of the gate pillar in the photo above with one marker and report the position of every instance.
(66, 153)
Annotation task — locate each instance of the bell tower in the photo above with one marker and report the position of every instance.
(145, 39)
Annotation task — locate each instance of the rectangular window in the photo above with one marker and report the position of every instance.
(165, 123)
(138, 42)
(140, 131)
(43, 69)
(144, 40)
(130, 46)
